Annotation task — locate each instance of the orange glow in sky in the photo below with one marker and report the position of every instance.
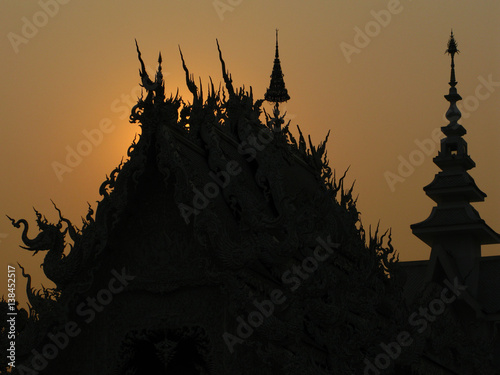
(374, 73)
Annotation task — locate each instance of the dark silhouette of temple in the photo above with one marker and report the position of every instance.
(224, 245)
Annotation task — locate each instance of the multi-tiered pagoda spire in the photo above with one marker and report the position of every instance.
(454, 228)
(277, 93)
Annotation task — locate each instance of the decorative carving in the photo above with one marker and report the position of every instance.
(201, 269)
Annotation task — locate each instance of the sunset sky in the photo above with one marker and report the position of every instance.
(372, 72)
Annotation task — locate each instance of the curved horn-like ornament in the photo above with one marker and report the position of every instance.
(29, 291)
(30, 243)
(227, 78)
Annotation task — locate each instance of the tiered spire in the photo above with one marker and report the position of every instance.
(453, 147)
(277, 93)
(454, 227)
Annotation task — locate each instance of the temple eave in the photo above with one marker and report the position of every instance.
(428, 234)
(454, 220)
(445, 162)
(459, 186)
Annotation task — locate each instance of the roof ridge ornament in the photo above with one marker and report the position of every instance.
(228, 80)
(145, 80)
(156, 87)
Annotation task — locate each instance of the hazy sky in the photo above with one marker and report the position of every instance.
(372, 72)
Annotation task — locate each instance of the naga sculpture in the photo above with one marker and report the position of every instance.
(57, 266)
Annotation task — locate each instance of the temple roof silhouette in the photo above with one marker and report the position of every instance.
(238, 250)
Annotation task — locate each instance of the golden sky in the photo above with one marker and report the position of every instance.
(372, 72)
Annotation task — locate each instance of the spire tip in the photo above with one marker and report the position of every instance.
(452, 45)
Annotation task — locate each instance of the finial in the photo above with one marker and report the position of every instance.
(452, 45)
(277, 52)
(451, 50)
(159, 74)
(159, 77)
(453, 114)
(157, 85)
(277, 92)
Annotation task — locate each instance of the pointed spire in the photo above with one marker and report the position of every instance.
(454, 230)
(453, 147)
(277, 93)
(451, 50)
(453, 114)
(159, 84)
(277, 53)
(159, 73)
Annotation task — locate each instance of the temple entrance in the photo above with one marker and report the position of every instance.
(183, 352)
